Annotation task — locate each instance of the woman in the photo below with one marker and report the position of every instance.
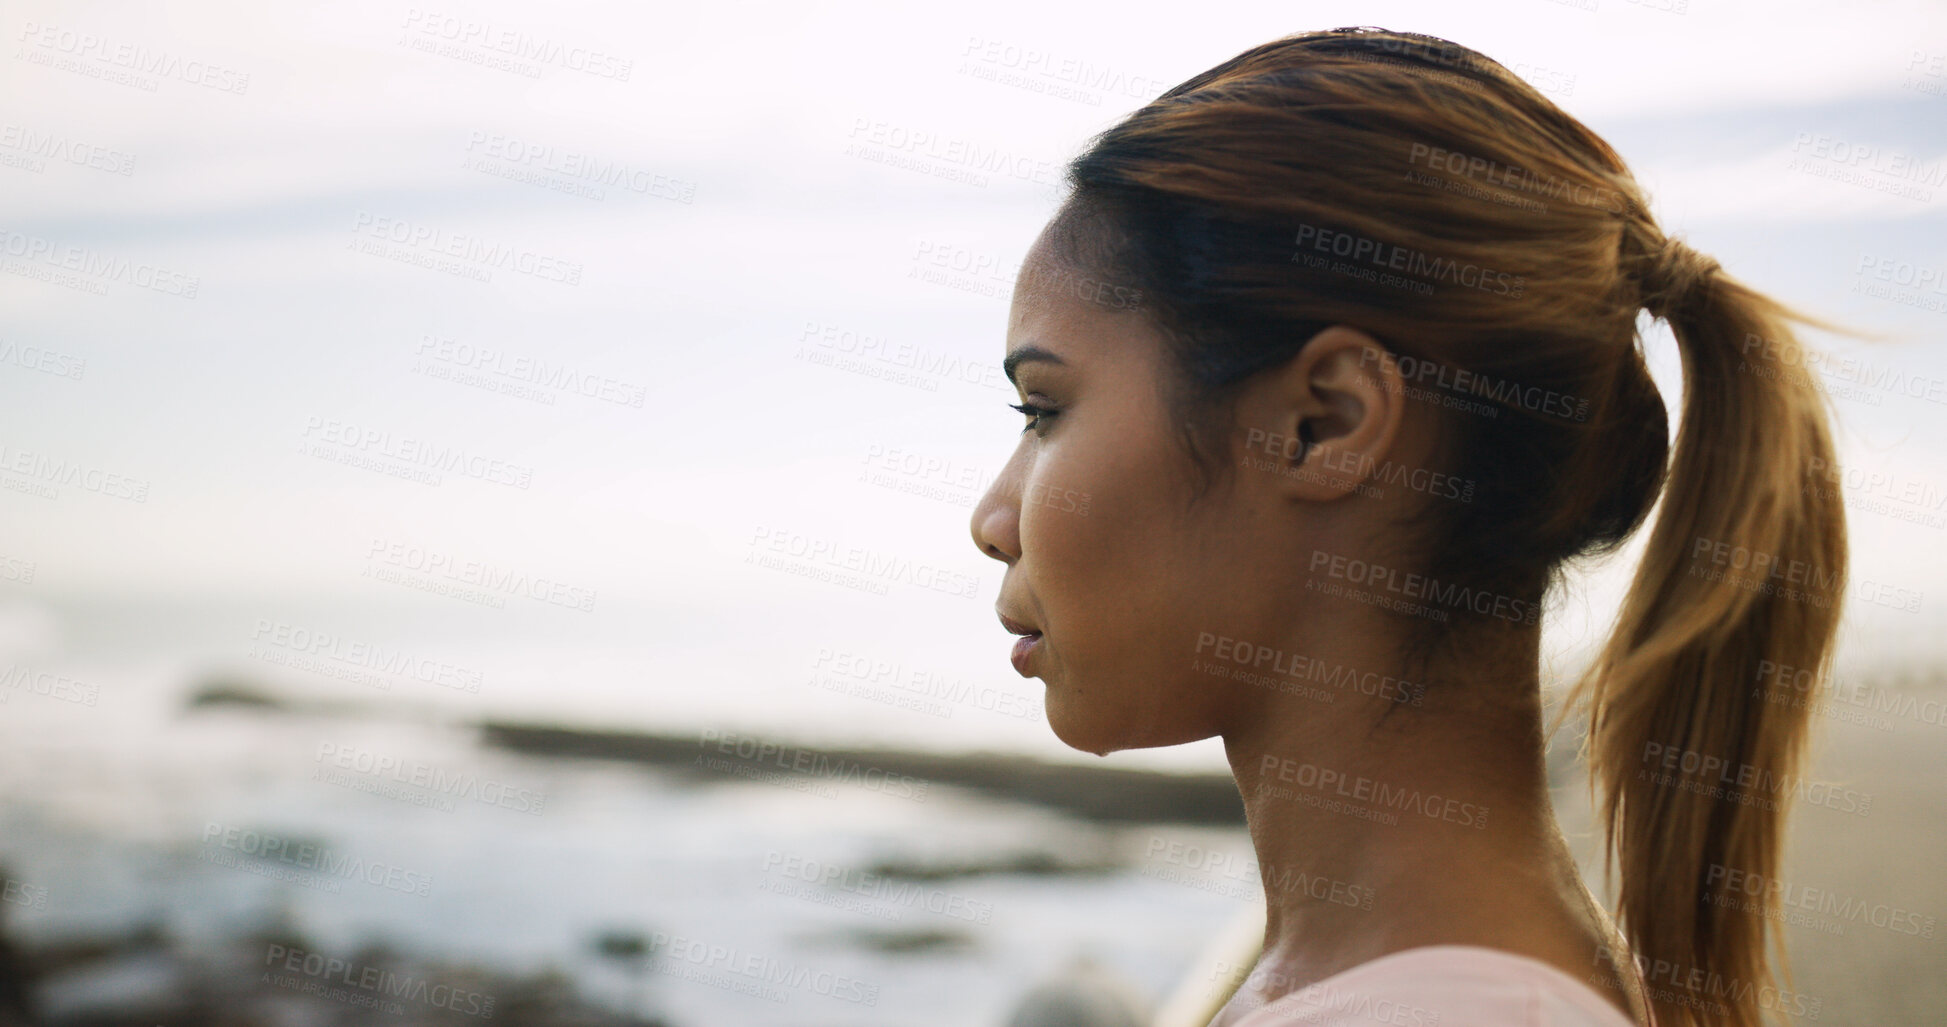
(1331, 362)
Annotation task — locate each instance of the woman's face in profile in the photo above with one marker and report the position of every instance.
(1088, 516)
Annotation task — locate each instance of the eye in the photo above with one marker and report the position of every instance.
(1037, 416)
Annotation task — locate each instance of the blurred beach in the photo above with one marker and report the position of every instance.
(191, 839)
(202, 835)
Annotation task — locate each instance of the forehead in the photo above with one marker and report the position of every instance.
(1042, 313)
(1057, 311)
(1038, 265)
(1052, 295)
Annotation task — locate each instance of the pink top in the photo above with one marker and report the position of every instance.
(1444, 986)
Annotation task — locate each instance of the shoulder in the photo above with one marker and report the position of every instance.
(1444, 986)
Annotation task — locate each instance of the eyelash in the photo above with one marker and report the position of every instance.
(1038, 413)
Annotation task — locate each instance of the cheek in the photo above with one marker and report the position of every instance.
(1101, 571)
(1076, 528)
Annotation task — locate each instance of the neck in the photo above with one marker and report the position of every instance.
(1431, 826)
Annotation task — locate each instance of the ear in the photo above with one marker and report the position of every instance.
(1326, 420)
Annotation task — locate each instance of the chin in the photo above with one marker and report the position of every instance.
(1102, 735)
(1081, 732)
(1091, 731)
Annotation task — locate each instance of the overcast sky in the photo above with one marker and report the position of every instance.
(254, 252)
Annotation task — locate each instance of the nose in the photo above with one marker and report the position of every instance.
(996, 521)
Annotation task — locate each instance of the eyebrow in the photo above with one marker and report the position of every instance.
(1025, 354)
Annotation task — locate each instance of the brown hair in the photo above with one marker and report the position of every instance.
(1502, 252)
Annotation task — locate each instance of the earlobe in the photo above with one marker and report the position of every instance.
(1334, 411)
(1359, 396)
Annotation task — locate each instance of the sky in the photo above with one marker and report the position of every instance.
(261, 260)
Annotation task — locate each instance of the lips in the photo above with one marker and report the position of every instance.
(1024, 646)
(1016, 627)
(1023, 649)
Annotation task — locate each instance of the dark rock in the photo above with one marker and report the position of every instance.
(222, 692)
(1103, 794)
(1025, 864)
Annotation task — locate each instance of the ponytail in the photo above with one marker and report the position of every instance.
(1740, 586)
(1216, 201)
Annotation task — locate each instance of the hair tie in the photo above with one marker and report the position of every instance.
(1676, 277)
